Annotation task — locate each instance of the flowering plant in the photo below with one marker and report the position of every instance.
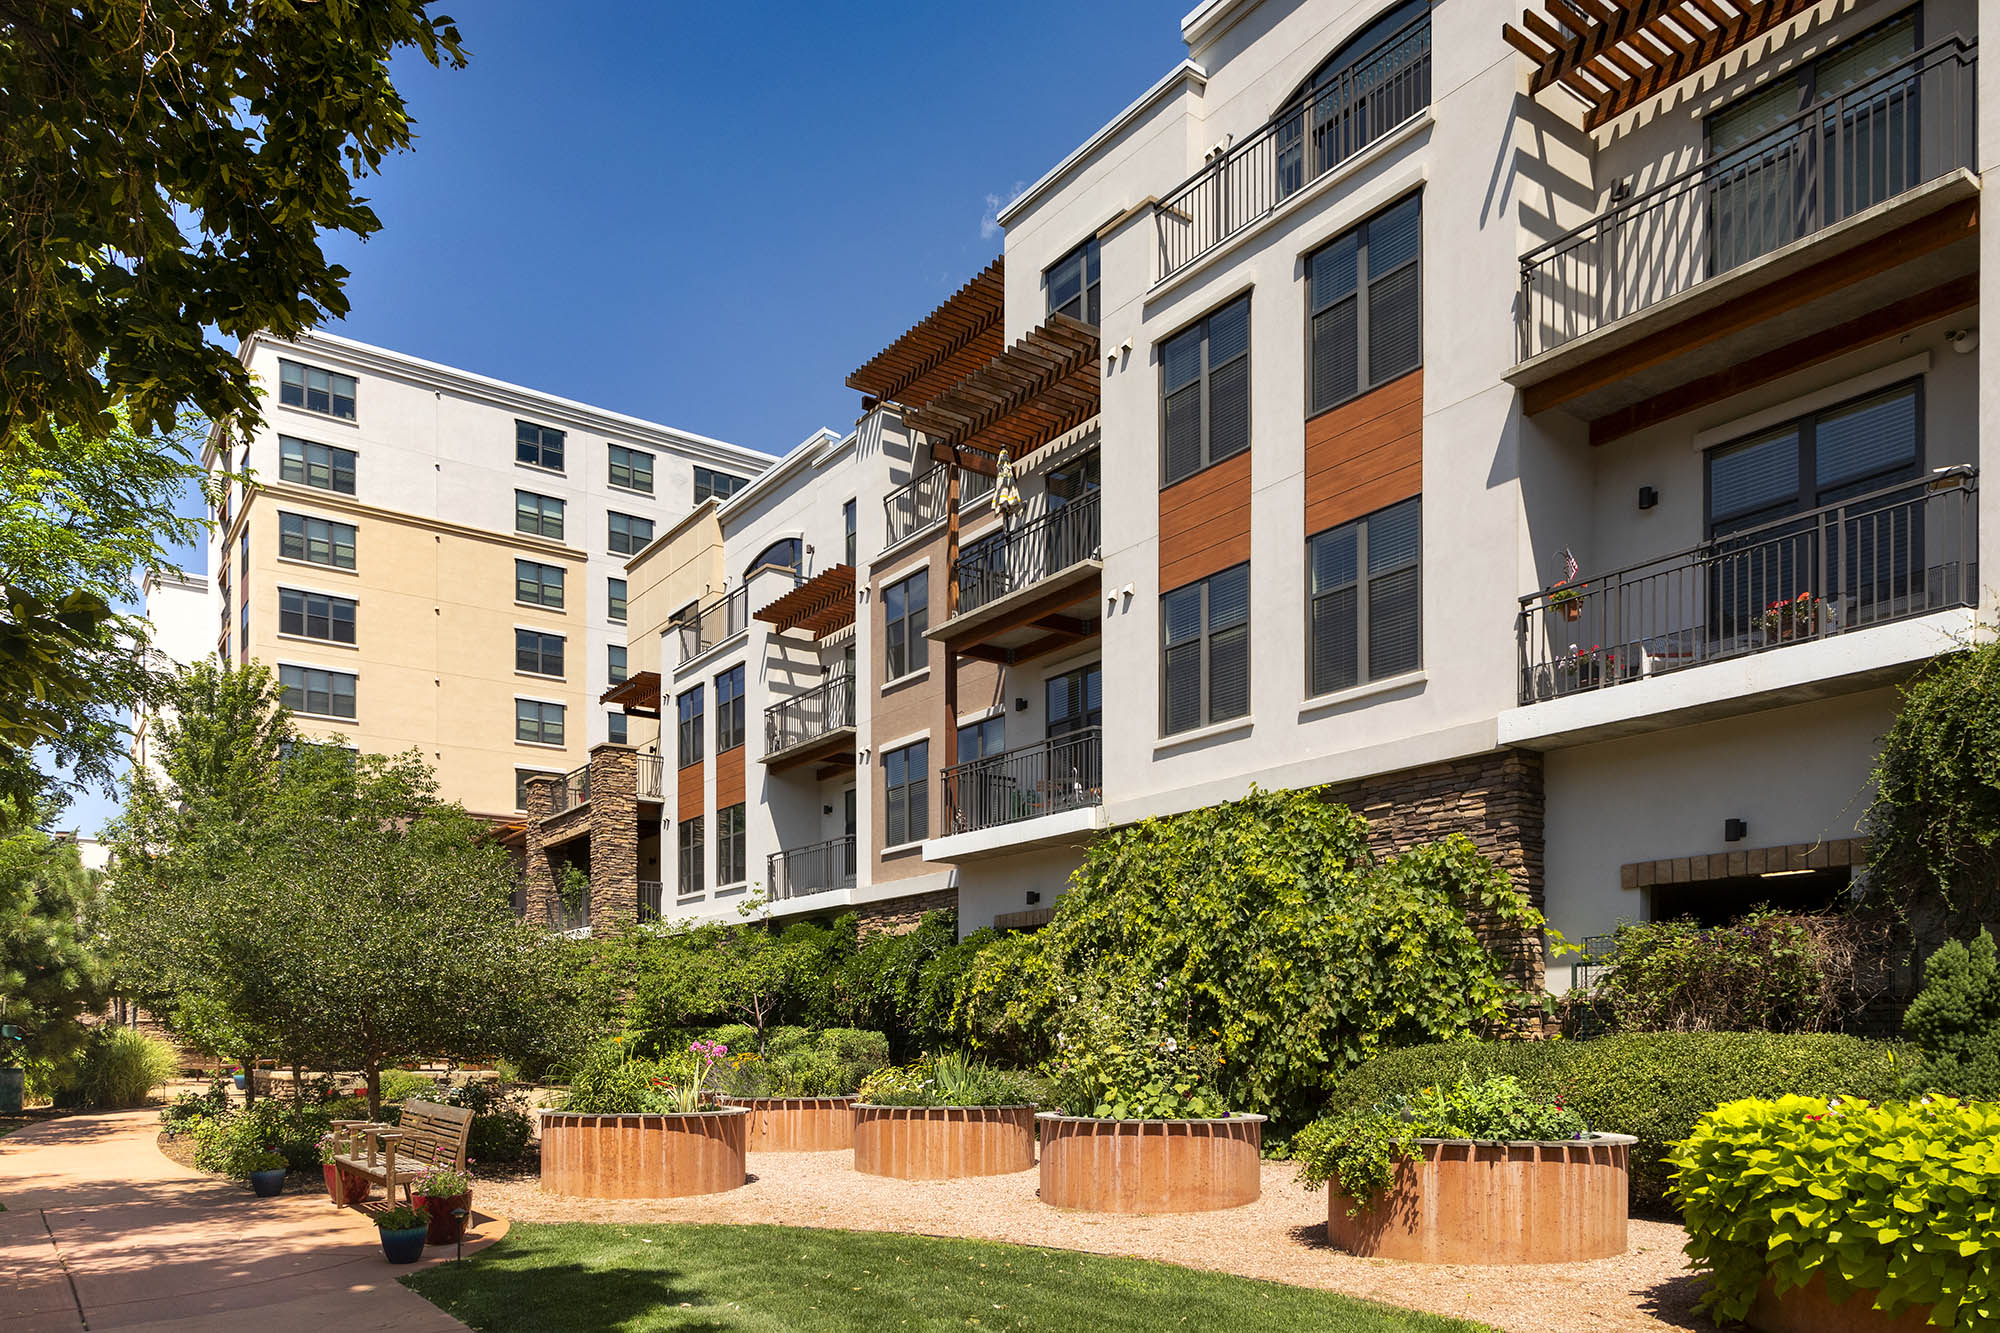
(1566, 596)
(1791, 616)
(685, 1075)
(325, 1144)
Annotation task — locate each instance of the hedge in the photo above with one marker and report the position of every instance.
(1652, 1085)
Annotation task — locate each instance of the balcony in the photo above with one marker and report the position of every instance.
(1059, 776)
(1328, 125)
(575, 789)
(1599, 654)
(722, 619)
(1031, 590)
(819, 867)
(915, 505)
(818, 724)
(1849, 222)
(652, 899)
(651, 774)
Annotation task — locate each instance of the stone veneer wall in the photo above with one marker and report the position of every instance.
(898, 916)
(614, 838)
(537, 870)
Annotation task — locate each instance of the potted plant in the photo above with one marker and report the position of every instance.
(343, 1187)
(403, 1229)
(945, 1117)
(266, 1169)
(445, 1197)
(1140, 1125)
(1477, 1173)
(1792, 617)
(1566, 598)
(239, 1078)
(644, 1129)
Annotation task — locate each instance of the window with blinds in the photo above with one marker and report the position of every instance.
(1073, 284)
(538, 515)
(614, 727)
(615, 660)
(1365, 619)
(1817, 459)
(1364, 293)
(690, 713)
(538, 654)
(691, 867)
(316, 541)
(313, 615)
(729, 709)
(313, 692)
(537, 722)
(906, 813)
(730, 867)
(1205, 651)
(1205, 393)
(631, 469)
(906, 607)
(537, 584)
(309, 464)
(629, 534)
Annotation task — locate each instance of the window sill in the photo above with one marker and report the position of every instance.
(627, 490)
(539, 745)
(1207, 733)
(541, 606)
(1322, 703)
(910, 678)
(327, 717)
(318, 643)
(314, 564)
(539, 675)
(901, 849)
(539, 536)
(328, 417)
(545, 471)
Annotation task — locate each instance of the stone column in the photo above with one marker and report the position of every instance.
(614, 839)
(542, 797)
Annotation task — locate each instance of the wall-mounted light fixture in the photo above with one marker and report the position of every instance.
(1734, 830)
(826, 809)
(1648, 497)
(1033, 897)
(1020, 705)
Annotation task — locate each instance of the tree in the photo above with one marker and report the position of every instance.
(51, 973)
(170, 167)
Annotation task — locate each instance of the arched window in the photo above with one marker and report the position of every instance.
(783, 555)
(1379, 78)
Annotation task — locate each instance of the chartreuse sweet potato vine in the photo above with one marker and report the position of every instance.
(1896, 1205)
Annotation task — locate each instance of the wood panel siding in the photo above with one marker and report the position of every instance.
(729, 777)
(1365, 455)
(1205, 522)
(689, 799)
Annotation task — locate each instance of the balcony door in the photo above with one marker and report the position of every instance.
(848, 826)
(1075, 748)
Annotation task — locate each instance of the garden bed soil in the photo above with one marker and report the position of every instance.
(1280, 1238)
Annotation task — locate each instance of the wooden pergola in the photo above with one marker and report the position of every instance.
(819, 606)
(1043, 386)
(638, 694)
(1614, 54)
(940, 349)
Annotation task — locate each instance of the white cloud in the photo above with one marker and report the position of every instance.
(989, 221)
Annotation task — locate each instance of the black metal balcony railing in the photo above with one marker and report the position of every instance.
(1895, 553)
(989, 570)
(651, 777)
(1047, 778)
(727, 615)
(819, 867)
(915, 505)
(652, 899)
(1322, 128)
(1910, 124)
(568, 917)
(575, 789)
(820, 711)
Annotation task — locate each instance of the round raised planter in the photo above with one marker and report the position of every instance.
(943, 1142)
(643, 1156)
(268, 1184)
(798, 1124)
(1460, 1202)
(1150, 1166)
(1809, 1309)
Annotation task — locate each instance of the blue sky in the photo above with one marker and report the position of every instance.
(707, 215)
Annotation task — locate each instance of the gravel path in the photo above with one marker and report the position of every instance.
(1281, 1237)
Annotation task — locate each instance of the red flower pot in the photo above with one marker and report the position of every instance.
(344, 1187)
(444, 1228)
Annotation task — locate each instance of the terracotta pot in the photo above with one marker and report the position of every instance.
(444, 1229)
(1150, 1166)
(798, 1124)
(943, 1142)
(344, 1187)
(643, 1156)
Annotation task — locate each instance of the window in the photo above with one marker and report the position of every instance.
(690, 854)
(629, 535)
(615, 653)
(977, 740)
(243, 552)
(631, 469)
(316, 390)
(1205, 651)
(538, 446)
(729, 709)
(906, 791)
(538, 584)
(1364, 292)
(314, 615)
(521, 776)
(538, 723)
(617, 591)
(319, 465)
(1818, 459)
(538, 654)
(1072, 284)
(1075, 700)
(717, 484)
(316, 693)
(317, 541)
(906, 613)
(614, 728)
(538, 515)
(781, 555)
(1366, 618)
(729, 859)
(1205, 392)
(689, 706)
(848, 532)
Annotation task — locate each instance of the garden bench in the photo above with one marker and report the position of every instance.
(431, 1137)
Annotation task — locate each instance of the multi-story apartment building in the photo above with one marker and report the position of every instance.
(1560, 424)
(430, 559)
(183, 632)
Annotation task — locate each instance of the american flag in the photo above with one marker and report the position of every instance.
(1569, 564)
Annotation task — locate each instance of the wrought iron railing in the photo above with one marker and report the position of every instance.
(989, 570)
(821, 710)
(816, 868)
(1322, 128)
(1046, 778)
(1910, 124)
(915, 505)
(1889, 555)
(569, 917)
(652, 899)
(727, 615)
(652, 777)
(575, 789)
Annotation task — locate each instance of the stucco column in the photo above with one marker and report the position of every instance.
(614, 839)
(1989, 352)
(541, 877)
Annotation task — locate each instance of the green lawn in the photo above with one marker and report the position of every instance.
(687, 1277)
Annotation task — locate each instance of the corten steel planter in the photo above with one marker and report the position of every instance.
(1150, 1166)
(798, 1124)
(643, 1156)
(943, 1142)
(1460, 1202)
(1809, 1309)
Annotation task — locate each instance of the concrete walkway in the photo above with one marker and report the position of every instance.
(101, 1231)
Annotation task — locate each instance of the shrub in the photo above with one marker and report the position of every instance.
(399, 1085)
(292, 1129)
(180, 1115)
(950, 1080)
(501, 1125)
(1654, 1086)
(1118, 1057)
(1894, 1200)
(609, 1082)
(797, 1063)
(1759, 974)
(1955, 1022)
(121, 1067)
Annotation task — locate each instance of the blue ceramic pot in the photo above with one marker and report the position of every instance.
(240, 1081)
(403, 1247)
(268, 1183)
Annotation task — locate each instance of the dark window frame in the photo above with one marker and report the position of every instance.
(616, 663)
(1365, 379)
(616, 729)
(1089, 299)
(911, 794)
(1363, 584)
(731, 845)
(850, 533)
(693, 866)
(632, 468)
(541, 726)
(532, 447)
(296, 391)
(1206, 637)
(296, 606)
(1811, 495)
(617, 600)
(729, 723)
(711, 484)
(304, 691)
(631, 523)
(978, 729)
(534, 520)
(297, 466)
(796, 567)
(906, 631)
(690, 726)
(532, 655)
(295, 534)
(541, 582)
(1091, 717)
(1203, 382)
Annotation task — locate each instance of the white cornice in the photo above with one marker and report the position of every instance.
(1210, 19)
(1186, 71)
(806, 451)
